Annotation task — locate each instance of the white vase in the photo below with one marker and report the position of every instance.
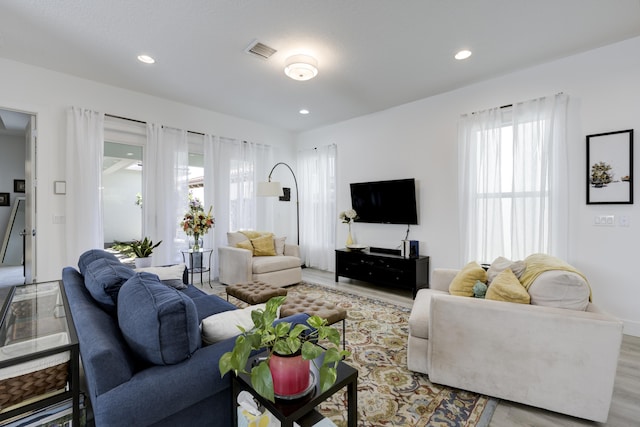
(143, 262)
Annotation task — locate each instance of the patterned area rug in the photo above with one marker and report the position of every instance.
(388, 393)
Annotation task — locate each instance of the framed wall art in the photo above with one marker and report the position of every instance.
(18, 186)
(4, 199)
(610, 168)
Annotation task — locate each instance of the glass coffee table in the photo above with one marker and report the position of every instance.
(39, 352)
(302, 410)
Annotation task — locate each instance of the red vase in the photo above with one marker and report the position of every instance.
(290, 374)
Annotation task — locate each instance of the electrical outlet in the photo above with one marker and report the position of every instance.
(624, 221)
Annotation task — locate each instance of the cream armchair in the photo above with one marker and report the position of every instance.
(558, 359)
(239, 265)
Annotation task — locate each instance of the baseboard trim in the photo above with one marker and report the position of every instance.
(631, 327)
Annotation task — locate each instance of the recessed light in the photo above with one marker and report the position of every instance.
(463, 54)
(129, 154)
(146, 59)
(304, 111)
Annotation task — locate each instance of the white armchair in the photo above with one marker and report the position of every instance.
(238, 265)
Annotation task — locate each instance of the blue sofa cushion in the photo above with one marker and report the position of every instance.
(103, 279)
(159, 323)
(91, 255)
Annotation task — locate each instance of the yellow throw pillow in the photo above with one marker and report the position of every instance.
(507, 287)
(251, 234)
(462, 284)
(245, 244)
(263, 246)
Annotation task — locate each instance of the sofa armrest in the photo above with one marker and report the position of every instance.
(441, 278)
(235, 265)
(557, 359)
(292, 250)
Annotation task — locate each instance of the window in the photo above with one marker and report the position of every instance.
(513, 188)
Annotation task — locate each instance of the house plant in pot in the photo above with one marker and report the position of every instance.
(143, 250)
(289, 350)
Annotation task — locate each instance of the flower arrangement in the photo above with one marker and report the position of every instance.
(348, 216)
(196, 222)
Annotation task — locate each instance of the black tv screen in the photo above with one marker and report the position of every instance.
(385, 202)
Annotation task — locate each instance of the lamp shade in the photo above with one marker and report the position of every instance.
(269, 189)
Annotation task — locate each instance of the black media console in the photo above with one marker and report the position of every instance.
(384, 269)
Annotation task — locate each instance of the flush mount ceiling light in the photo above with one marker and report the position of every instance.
(301, 67)
(146, 59)
(463, 54)
(304, 111)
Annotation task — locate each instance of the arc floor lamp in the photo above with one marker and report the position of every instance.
(274, 189)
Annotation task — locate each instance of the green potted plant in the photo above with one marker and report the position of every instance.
(143, 250)
(293, 346)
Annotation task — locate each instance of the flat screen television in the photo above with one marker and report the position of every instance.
(385, 202)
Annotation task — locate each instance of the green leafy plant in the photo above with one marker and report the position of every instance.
(144, 248)
(283, 339)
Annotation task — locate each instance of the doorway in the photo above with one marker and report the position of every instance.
(17, 213)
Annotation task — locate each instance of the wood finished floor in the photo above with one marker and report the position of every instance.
(625, 407)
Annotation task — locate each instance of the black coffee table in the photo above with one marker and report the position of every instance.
(302, 410)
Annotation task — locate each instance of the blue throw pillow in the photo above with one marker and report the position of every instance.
(91, 255)
(159, 323)
(103, 279)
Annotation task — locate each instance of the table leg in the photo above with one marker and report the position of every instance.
(352, 404)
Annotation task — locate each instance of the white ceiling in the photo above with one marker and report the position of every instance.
(372, 54)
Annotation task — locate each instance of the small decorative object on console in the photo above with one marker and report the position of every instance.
(348, 217)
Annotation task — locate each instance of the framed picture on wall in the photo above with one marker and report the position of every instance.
(610, 168)
(4, 199)
(18, 186)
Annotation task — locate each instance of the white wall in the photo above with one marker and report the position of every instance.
(49, 94)
(420, 140)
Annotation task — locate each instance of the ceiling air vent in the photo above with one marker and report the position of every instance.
(261, 50)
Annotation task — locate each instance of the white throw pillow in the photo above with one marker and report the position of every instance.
(561, 289)
(500, 264)
(279, 242)
(224, 325)
(170, 272)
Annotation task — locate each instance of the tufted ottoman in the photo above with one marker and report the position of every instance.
(255, 292)
(303, 304)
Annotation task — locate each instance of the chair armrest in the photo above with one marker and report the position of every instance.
(291, 250)
(441, 278)
(235, 265)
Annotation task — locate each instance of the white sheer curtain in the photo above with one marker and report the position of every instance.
(318, 217)
(513, 181)
(232, 170)
(85, 148)
(165, 191)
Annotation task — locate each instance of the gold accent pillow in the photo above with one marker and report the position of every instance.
(507, 287)
(245, 244)
(263, 246)
(462, 284)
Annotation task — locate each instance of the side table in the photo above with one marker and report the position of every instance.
(39, 351)
(303, 408)
(196, 263)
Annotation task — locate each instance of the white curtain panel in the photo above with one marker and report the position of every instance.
(513, 181)
(318, 215)
(85, 148)
(232, 170)
(165, 191)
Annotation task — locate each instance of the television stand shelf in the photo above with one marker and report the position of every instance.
(384, 269)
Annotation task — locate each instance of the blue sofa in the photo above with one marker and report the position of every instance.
(132, 378)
